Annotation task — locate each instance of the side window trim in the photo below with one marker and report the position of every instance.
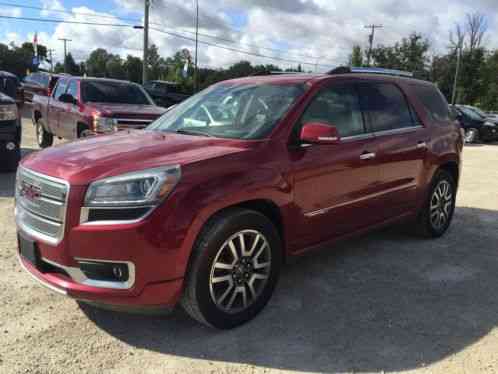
(328, 85)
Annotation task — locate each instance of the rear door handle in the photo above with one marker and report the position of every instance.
(421, 145)
(367, 155)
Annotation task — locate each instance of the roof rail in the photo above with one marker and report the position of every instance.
(346, 70)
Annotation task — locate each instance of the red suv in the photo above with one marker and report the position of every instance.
(204, 206)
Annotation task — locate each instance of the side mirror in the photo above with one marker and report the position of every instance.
(319, 133)
(68, 98)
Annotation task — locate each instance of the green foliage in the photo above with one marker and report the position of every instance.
(71, 66)
(356, 59)
(19, 60)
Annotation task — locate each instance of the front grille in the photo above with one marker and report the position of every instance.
(41, 203)
(133, 123)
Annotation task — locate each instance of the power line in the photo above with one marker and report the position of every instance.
(51, 20)
(135, 20)
(255, 54)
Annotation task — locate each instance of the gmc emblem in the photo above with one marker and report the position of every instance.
(30, 191)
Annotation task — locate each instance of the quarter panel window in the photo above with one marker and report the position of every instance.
(337, 106)
(434, 102)
(385, 107)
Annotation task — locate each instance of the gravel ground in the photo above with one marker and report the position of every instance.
(387, 302)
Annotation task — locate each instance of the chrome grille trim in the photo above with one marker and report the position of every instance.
(43, 217)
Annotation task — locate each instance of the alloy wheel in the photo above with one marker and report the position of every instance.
(240, 271)
(441, 204)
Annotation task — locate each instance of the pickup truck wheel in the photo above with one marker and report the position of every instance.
(43, 137)
(234, 269)
(438, 211)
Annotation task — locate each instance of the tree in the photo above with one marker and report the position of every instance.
(133, 69)
(97, 62)
(71, 66)
(477, 25)
(356, 59)
(115, 68)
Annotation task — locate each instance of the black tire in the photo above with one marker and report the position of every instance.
(197, 298)
(11, 158)
(43, 137)
(425, 225)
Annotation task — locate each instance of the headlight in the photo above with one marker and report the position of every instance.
(490, 124)
(143, 188)
(8, 112)
(104, 124)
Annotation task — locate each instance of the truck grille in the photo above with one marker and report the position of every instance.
(41, 203)
(133, 123)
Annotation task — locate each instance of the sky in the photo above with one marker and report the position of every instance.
(318, 34)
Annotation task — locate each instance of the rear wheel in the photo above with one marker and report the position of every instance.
(43, 137)
(234, 269)
(438, 211)
(471, 135)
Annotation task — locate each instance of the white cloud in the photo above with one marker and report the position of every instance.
(310, 31)
(51, 7)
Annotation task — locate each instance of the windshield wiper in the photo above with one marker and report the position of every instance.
(193, 132)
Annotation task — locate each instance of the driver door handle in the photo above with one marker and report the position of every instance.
(421, 145)
(367, 155)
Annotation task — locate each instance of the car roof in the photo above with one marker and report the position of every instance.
(315, 78)
(6, 74)
(110, 80)
(163, 82)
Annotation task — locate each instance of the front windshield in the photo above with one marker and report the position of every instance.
(113, 93)
(479, 112)
(472, 114)
(241, 111)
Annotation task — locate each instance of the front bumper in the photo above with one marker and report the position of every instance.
(156, 296)
(489, 133)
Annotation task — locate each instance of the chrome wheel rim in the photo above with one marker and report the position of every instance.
(441, 204)
(39, 133)
(470, 135)
(240, 271)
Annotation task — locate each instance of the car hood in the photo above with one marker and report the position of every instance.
(113, 110)
(84, 161)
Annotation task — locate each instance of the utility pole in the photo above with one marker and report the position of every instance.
(65, 40)
(146, 40)
(457, 71)
(371, 40)
(196, 71)
(51, 59)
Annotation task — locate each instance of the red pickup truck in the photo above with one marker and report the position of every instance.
(80, 107)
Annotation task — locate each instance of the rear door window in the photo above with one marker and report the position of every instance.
(60, 88)
(72, 89)
(433, 101)
(338, 106)
(385, 107)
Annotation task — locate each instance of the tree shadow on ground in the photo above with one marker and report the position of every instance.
(386, 301)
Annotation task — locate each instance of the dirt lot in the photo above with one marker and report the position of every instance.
(387, 302)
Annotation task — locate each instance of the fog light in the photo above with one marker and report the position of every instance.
(10, 146)
(105, 271)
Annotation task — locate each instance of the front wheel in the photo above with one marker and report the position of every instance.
(43, 137)
(471, 135)
(438, 211)
(234, 268)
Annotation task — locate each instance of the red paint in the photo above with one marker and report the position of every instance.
(323, 192)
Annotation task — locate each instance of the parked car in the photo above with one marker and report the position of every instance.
(11, 86)
(81, 107)
(10, 134)
(206, 215)
(476, 127)
(40, 83)
(165, 93)
(483, 114)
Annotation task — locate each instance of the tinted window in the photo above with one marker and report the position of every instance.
(72, 89)
(60, 88)
(337, 106)
(433, 101)
(113, 92)
(385, 106)
(43, 80)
